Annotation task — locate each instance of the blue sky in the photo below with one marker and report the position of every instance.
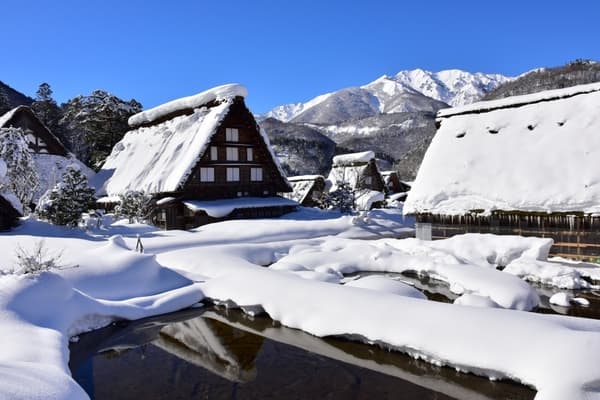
(283, 51)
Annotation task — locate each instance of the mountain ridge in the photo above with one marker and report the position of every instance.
(407, 91)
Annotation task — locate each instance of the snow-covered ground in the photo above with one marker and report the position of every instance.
(292, 268)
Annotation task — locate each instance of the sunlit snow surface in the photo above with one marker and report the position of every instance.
(539, 154)
(292, 268)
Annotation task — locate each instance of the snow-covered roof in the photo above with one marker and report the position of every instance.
(51, 167)
(302, 185)
(159, 158)
(218, 93)
(7, 117)
(299, 178)
(517, 101)
(353, 158)
(350, 175)
(538, 156)
(224, 207)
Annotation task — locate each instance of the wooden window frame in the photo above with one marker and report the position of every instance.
(207, 174)
(232, 134)
(233, 174)
(256, 174)
(232, 154)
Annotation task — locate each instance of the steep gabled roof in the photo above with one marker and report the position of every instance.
(535, 153)
(159, 154)
(11, 118)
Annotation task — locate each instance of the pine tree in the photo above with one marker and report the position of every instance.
(46, 109)
(22, 176)
(64, 204)
(342, 198)
(96, 123)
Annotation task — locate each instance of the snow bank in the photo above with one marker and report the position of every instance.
(224, 92)
(503, 344)
(452, 262)
(353, 158)
(224, 207)
(386, 285)
(483, 160)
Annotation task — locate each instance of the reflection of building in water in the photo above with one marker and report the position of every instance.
(217, 347)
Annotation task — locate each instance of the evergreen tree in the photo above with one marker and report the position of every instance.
(64, 204)
(134, 205)
(96, 123)
(46, 109)
(22, 175)
(342, 198)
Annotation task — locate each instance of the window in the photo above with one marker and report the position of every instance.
(207, 174)
(232, 154)
(214, 155)
(256, 174)
(232, 135)
(233, 174)
(368, 180)
(249, 155)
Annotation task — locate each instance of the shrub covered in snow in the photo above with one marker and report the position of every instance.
(64, 204)
(22, 178)
(135, 205)
(35, 260)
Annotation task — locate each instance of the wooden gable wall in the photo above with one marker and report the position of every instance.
(39, 137)
(240, 118)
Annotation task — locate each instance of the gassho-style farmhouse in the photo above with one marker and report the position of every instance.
(526, 165)
(203, 158)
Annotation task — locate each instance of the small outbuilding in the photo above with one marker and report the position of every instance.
(359, 171)
(394, 186)
(203, 158)
(308, 190)
(526, 165)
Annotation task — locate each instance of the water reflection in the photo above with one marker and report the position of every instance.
(216, 353)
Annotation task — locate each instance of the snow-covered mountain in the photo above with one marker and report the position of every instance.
(407, 91)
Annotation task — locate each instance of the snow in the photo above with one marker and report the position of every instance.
(386, 285)
(304, 178)
(50, 169)
(405, 91)
(301, 186)
(224, 92)
(353, 158)
(566, 300)
(159, 158)
(365, 199)
(109, 199)
(474, 300)
(547, 95)
(291, 268)
(7, 116)
(468, 167)
(224, 207)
